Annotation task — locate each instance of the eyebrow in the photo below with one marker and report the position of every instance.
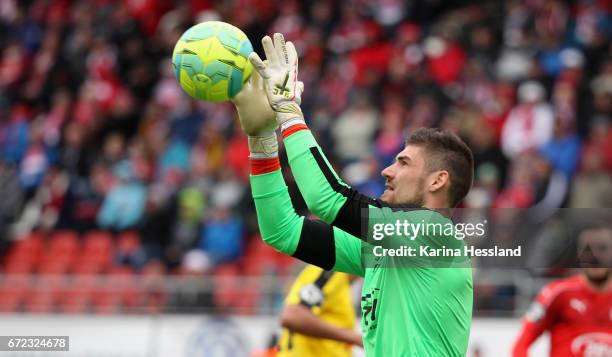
(403, 158)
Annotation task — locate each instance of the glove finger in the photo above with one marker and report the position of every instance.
(259, 65)
(292, 53)
(300, 91)
(270, 51)
(281, 48)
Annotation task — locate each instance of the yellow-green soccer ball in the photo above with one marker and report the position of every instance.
(210, 61)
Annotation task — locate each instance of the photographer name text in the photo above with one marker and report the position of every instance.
(427, 251)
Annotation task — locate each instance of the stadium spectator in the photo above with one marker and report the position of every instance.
(530, 124)
(124, 204)
(222, 236)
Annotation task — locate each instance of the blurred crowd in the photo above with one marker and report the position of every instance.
(95, 132)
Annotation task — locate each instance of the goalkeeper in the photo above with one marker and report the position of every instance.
(415, 311)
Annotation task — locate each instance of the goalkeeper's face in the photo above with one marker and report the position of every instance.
(405, 178)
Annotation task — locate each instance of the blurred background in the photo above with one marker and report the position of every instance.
(125, 209)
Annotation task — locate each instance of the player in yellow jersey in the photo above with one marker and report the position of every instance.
(318, 318)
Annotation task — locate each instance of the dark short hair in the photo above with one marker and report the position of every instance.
(446, 151)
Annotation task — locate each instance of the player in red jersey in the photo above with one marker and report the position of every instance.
(577, 311)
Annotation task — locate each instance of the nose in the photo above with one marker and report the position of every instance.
(388, 172)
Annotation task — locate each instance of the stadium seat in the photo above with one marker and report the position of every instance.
(131, 294)
(18, 266)
(83, 266)
(250, 296)
(77, 296)
(106, 299)
(116, 291)
(64, 239)
(61, 252)
(96, 256)
(255, 261)
(261, 259)
(98, 243)
(59, 265)
(285, 263)
(154, 294)
(45, 294)
(13, 289)
(227, 289)
(128, 242)
(26, 250)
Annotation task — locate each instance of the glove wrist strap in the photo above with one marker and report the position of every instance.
(263, 146)
(288, 112)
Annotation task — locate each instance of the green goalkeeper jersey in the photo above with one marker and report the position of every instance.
(413, 308)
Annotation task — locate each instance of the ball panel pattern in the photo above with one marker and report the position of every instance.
(211, 61)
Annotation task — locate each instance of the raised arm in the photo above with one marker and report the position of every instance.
(312, 241)
(325, 194)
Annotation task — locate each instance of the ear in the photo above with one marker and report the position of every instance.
(438, 180)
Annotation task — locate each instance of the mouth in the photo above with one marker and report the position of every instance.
(387, 194)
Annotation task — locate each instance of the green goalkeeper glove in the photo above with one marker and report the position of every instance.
(279, 72)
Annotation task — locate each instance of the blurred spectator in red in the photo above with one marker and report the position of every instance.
(391, 137)
(530, 124)
(445, 59)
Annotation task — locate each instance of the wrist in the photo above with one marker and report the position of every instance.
(292, 126)
(355, 339)
(348, 336)
(263, 146)
(288, 111)
(263, 155)
(290, 119)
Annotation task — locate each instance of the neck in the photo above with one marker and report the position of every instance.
(599, 286)
(436, 203)
(440, 207)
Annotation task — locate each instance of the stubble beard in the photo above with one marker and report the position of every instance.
(418, 199)
(599, 280)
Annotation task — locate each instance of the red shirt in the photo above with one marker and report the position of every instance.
(578, 318)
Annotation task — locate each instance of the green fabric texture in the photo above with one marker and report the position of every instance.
(320, 197)
(408, 311)
(281, 227)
